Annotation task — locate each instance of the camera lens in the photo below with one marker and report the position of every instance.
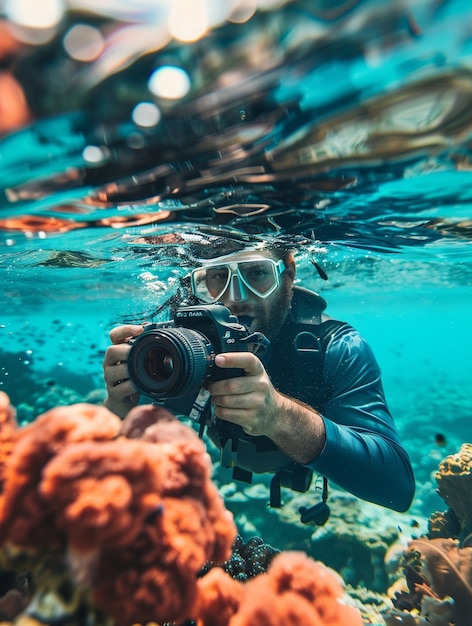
(169, 362)
(159, 364)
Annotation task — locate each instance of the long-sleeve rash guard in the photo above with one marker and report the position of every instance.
(362, 453)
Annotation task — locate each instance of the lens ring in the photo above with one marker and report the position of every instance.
(169, 362)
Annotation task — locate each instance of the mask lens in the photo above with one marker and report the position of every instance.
(260, 276)
(209, 284)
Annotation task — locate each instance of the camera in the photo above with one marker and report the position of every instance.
(172, 359)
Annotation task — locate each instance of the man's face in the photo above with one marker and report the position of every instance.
(246, 274)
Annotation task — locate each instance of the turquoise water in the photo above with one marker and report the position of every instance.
(346, 131)
(414, 314)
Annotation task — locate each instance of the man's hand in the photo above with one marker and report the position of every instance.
(122, 395)
(252, 402)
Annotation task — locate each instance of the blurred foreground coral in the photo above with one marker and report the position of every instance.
(111, 523)
(126, 523)
(295, 590)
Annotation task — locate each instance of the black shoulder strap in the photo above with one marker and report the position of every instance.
(311, 340)
(296, 366)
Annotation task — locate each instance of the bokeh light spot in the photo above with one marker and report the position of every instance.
(94, 155)
(169, 82)
(44, 14)
(146, 114)
(83, 42)
(188, 19)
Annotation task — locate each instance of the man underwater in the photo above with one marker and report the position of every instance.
(312, 402)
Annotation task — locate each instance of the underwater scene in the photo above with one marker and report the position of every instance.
(141, 141)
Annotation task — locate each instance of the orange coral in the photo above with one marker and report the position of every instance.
(101, 492)
(134, 520)
(191, 526)
(8, 428)
(156, 577)
(219, 598)
(295, 591)
(25, 520)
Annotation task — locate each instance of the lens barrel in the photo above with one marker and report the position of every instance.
(169, 362)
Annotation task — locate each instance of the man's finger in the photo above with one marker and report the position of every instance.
(120, 334)
(116, 355)
(241, 360)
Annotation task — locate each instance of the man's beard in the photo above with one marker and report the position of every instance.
(270, 321)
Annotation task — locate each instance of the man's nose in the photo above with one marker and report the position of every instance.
(236, 290)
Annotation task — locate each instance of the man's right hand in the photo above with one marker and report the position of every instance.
(122, 394)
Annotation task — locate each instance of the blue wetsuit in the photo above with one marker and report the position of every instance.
(362, 453)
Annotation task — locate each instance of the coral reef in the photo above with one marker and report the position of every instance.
(33, 390)
(127, 524)
(454, 479)
(53, 395)
(295, 590)
(438, 567)
(248, 559)
(370, 604)
(444, 524)
(354, 541)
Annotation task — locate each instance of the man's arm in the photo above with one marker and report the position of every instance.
(355, 444)
(362, 452)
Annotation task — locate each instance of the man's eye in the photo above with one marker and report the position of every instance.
(219, 276)
(258, 274)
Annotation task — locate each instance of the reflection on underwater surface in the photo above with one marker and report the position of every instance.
(343, 128)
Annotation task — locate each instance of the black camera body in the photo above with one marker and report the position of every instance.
(172, 359)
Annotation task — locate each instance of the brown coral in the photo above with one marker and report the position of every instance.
(454, 477)
(442, 590)
(295, 591)
(448, 568)
(439, 571)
